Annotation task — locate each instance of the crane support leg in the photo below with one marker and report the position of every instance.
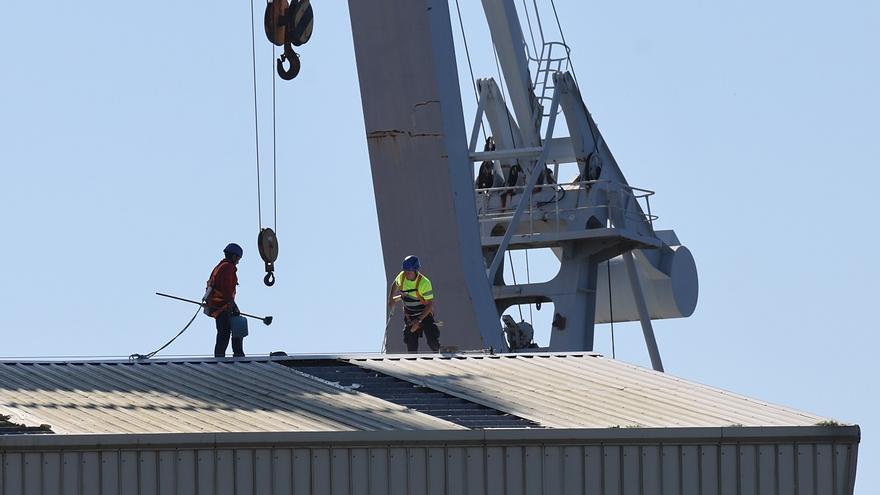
(422, 176)
(644, 317)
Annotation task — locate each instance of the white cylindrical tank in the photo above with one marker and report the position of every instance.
(669, 281)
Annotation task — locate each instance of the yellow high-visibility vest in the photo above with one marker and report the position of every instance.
(414, 293)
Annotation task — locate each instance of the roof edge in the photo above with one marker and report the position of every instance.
(640, 436)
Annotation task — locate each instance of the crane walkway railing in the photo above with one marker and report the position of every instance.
(548, 208)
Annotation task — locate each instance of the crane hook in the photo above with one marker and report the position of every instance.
(292, 58)
(289, 24)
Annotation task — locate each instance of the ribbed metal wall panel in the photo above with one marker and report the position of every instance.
(744, 461)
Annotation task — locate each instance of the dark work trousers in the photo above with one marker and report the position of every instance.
(224, 331)
(429, 328)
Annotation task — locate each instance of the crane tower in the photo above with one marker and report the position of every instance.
(423, 158)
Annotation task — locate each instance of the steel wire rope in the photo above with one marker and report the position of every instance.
(562, 35)
(501, 83)
(274, 149)
(513, 273)
(535, 50)
(529, 281)
(470, 67)
(256, 119)
(538, 19)
(543, 41)
(531, 33)
(574, 74)
(534, 170)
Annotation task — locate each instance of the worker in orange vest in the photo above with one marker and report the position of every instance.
(220, 301)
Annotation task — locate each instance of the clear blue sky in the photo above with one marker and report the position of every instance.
(127, 151)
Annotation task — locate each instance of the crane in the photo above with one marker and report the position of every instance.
(423, 158)
(417, 136)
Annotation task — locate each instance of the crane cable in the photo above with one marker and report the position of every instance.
(562, 35)
(470, 66)
(529, 281)
(257, 132)
(501, 84)
(482, 126)
(267, 240)
(513, 272)
(531, 33)
(256, 115)
(274, 150)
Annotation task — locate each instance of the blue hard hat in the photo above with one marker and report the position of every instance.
(411, 264)
(235, 249)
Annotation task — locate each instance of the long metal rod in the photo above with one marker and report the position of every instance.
(261, 318)
(527, 194)
(644, 318)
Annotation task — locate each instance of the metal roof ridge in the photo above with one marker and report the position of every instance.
(263, 358)
(469, 355)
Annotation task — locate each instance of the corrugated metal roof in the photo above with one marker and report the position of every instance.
(423, 399)
(206, 396)
(584, 390)
(559, 390)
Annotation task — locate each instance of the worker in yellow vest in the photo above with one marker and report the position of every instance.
(414, 290)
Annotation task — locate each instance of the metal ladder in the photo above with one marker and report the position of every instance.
(548, 62)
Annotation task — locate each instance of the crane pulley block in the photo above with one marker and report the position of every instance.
(267, 244)
(288, 25)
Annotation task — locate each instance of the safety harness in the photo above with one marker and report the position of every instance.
(418, 281)
(408, 294)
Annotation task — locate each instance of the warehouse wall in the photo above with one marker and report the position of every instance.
(811, 460)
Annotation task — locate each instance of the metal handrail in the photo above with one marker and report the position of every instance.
(556, 211)
(495, 216)
(537, 186)
(633, 189)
